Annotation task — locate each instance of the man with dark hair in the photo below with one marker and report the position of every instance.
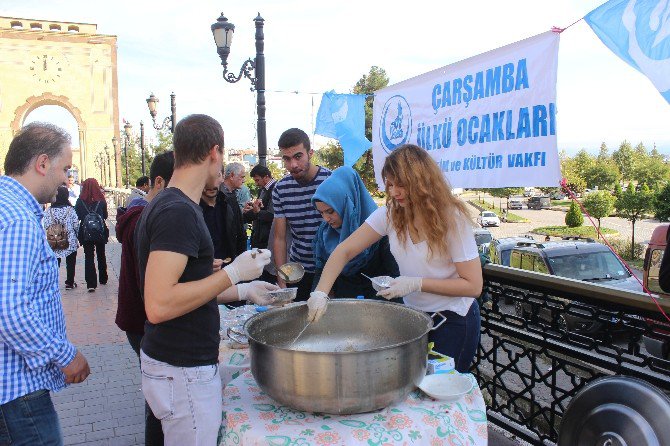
(291, 199)
(138, 193)
(224, 221)
(175, 257)
(261, 211)
(37, 357)
(130, 314)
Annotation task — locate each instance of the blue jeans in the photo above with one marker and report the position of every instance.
(30, 420)
(458, 337)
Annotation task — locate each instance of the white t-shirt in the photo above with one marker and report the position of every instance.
(413, 261)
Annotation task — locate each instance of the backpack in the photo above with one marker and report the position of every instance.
(57, 235)
(93, 226)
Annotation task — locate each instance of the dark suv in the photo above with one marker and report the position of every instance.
(579, 259)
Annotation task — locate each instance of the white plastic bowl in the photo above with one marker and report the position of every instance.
(381, 282)
(446, 386)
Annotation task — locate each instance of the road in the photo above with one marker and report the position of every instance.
(547, 217)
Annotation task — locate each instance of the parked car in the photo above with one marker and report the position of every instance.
(574, 259)
(483, 238)
(658, 342)
(501, 248)
(539, 202)
(557, 196)
(515, 203)
(528, 191)
(488, 218)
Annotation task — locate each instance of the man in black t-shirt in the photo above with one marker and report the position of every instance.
(175, 256)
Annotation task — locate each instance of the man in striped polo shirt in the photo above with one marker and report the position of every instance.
(291, 199)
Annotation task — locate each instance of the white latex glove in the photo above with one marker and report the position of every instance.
(401, 287)
(248, 265)
(256, 292)
(316, 305)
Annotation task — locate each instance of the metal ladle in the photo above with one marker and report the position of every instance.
(291, 272)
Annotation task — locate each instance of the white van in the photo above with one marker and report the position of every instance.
(515, 203)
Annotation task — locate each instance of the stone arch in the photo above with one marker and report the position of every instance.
(34, 102)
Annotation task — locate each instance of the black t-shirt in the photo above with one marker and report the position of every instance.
(172, 222)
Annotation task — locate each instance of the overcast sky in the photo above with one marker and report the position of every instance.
(313, 47)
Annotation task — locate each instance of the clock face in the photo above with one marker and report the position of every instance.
(46, 68)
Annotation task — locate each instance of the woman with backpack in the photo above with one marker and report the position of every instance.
(91, 209)
(60, 222)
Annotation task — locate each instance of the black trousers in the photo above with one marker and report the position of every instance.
(304, 287)
(70, 262)
(90, 250)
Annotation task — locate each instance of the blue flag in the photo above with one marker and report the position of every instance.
(638, 31)
(342, 116)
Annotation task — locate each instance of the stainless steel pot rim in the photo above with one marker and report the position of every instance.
(427, 317)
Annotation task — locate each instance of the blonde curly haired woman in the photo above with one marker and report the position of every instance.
(432, 239)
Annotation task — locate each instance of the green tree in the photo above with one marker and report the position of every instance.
(376, 79)
(163, 142)
(625, 160)
(602, 175)
(617, 190)
(652, 171)
(574, 217)
(599, 204)
(583, 162)
(330, 156)
(633, 205)
(604, 153)
(662, 204)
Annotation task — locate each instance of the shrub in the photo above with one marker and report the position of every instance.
(623, 248)
(574, 217)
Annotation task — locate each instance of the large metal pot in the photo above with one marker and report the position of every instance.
(363, 355)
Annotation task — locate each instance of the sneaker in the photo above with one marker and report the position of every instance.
(69, 287)
(90, 290)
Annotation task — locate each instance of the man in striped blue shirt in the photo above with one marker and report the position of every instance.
(293, 208)
(36, 356)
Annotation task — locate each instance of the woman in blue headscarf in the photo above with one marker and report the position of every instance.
(344, 203)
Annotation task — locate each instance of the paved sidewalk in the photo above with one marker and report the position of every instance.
(107, 408)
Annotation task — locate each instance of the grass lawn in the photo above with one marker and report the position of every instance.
(561, 202)
(581, 231)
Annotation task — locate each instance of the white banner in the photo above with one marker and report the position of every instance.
(488, 121)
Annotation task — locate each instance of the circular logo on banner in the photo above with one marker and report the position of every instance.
(395, 128)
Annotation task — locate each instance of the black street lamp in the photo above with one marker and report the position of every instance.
(152, 102)
(252, 69)
(127, 134)
(142, 147)
(109, 165)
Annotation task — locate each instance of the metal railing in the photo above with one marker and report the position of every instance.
(544, 338)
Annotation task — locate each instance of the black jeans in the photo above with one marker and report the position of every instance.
(304, 287)
(70, 262)
(458, 337)
(91, 249)
(153, 431)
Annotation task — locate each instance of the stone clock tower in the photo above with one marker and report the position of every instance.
(67, 64)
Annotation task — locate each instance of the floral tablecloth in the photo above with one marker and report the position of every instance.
(232, 362)
(251, 418)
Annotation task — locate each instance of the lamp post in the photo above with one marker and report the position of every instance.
(142, 147)
(103, 173)
(252, 69)
(109, 165)
(152, 102)
(127, 134)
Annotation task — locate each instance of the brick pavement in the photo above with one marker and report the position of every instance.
(107, 408)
